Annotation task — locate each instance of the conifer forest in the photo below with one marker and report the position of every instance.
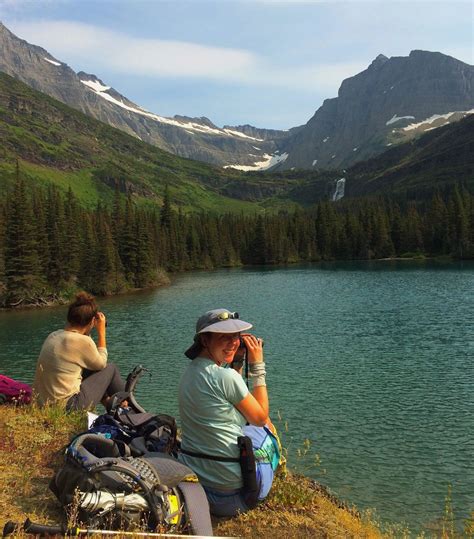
(50, 245)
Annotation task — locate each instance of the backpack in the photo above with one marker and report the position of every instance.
(12, 391)
(122, 474)
(107, 488)
(142, 432)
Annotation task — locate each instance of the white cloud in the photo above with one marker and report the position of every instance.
(122, 53)
(325, 77)
(88, 44)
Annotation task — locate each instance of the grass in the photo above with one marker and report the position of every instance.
(31, 444)
(299, 507)
(31, 450)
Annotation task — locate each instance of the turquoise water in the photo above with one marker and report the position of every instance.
(372, 363)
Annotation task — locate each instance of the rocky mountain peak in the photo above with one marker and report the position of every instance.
(392, 101)
(90, 77)
(378, 61)
(202, 120)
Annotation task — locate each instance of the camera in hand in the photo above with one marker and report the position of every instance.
(240, 356)
(97, 317)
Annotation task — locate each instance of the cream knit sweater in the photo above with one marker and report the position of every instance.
(59, 367)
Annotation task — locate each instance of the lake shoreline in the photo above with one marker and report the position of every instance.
(167, 279)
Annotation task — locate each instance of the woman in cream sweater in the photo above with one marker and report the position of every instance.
(72, 370)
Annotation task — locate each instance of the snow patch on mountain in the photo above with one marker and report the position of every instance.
(435, 117)
(396, 118)
(243, 135)
(96, 86)
(268, 162)
(57, 64)
(314, 162)
(190, 127)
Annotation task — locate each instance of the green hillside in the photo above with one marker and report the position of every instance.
(59, 145)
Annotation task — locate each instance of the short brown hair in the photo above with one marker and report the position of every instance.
(82, 310)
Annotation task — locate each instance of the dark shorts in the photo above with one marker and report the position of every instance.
(95, 386)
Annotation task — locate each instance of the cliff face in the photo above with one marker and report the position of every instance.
(374, 109)
(196, 138)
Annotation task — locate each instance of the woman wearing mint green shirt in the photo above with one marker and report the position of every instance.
(215, 408)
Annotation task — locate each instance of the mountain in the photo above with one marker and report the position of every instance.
(392, 101)
(58, 144)
(436, 161)
(196, 138)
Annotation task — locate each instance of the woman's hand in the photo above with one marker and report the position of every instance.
(100, 325)
(100, 322)
(254, 348)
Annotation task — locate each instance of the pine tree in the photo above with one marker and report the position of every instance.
(72, 238)
(437, 226)
(257, 249)
(109, 279)
(145, 271)
(22, 275)
(460, 225)
(41, 230)
(55, 225)
(166, 211)
(382, 242)
(412, 231)
(128, 244)
(88, 254)
(2, 248)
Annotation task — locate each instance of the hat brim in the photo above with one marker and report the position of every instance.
(225, 326)
(231, 325)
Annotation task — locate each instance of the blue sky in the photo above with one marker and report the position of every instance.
(269, 63)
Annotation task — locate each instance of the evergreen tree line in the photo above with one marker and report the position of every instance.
(50, 244)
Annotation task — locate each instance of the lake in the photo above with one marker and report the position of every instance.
(369, 362)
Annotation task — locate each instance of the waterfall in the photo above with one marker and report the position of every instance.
(339, 192)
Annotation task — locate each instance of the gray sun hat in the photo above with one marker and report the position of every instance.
(215, 321)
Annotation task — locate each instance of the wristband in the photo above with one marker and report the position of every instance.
(259, 380)
(256, 369)
(257, 374)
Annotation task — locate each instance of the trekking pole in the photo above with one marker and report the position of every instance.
(44, 530)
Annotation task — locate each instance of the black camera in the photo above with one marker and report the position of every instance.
(240, 356)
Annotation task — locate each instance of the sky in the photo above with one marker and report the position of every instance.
(268, 63)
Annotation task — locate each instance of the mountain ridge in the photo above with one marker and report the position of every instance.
(374, 107)
(390, 102)
(60, 145)
(39, 69)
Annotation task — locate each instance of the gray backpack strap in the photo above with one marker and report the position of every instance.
(197, 507)
(170, 471)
